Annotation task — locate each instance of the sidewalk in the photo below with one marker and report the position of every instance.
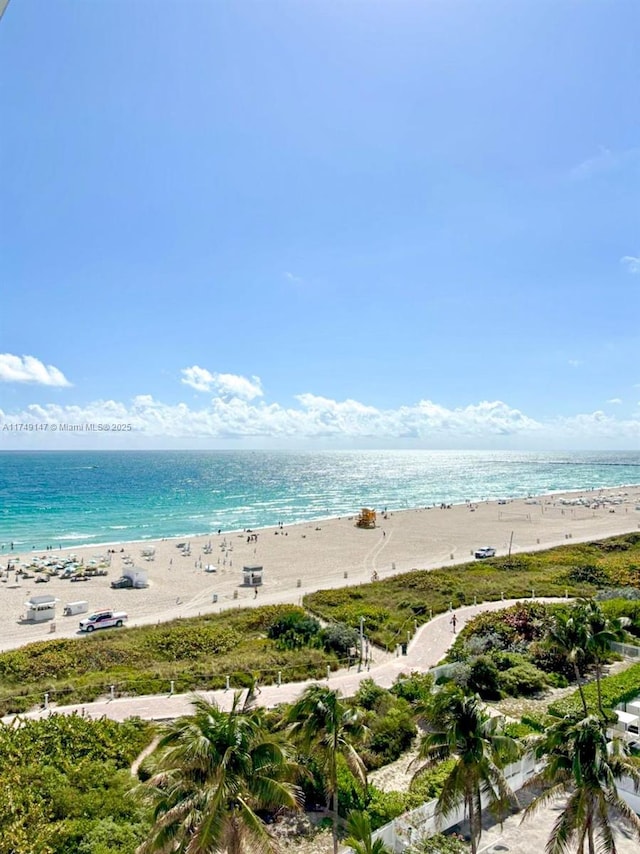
(427, 647)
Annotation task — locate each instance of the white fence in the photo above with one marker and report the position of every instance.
(422, 822)
(625, 649)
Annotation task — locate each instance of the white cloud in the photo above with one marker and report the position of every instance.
(199, 378)
(615, 400)
(314, 417)
(632, 263)
(292, 278)
(605, 161)
(227, 385)
(239, 413)
(28, 369)
(575, 363)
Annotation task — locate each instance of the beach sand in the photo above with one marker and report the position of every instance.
(298, 559)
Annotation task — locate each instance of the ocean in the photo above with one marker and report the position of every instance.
(84, 498)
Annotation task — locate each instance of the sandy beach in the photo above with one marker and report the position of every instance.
(298, 559)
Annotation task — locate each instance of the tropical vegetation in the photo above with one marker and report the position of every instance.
(216, 781)
(321, 723)
(212, 772)
(462, 730)
(584, 765)
(195, 653)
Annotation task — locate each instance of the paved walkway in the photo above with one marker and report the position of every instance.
(425, 650)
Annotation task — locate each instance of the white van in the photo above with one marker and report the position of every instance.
(73, 608)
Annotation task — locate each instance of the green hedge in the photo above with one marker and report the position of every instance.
(621, 688)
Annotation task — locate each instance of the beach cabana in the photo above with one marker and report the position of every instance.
(252, 576)
(40, 608)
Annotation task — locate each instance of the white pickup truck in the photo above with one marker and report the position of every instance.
(103, 620)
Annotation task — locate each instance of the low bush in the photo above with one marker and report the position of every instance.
(441, 843)
(416, 688)
(429, 784)
(390, 735)
(523, 680)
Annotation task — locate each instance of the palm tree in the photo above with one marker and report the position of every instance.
(601, 632)
(324, 725)
(582, 764)
(213, 770)
(569, 634)
(462, 729)
(359, 838)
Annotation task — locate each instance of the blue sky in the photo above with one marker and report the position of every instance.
(288, 222)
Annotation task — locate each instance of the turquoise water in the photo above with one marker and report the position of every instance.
(76, 498)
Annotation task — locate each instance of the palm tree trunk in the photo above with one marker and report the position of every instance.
(592, 847)
(235, 838)
(582, 697)
(599, 687)
(334, 786)
(472, 823)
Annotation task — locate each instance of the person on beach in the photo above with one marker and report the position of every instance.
(454, 623)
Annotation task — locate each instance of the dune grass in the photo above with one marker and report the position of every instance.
(392, 606)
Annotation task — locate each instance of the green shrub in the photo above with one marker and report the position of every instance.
(429, 784)
(390, 735)
(441, 843)
(617, 689)
(295, 630)
(416, 688)
(522, 681)
(369, 694)
(517, 729)
(339, 638)
(383, 807)
(484, 678)
(538, 723)
(589, 574)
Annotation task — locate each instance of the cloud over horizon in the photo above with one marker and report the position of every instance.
(316, 417)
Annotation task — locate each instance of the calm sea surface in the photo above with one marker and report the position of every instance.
(75, 498)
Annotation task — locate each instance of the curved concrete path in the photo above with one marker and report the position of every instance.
(425, 650)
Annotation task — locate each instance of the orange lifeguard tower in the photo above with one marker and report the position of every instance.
(366, 519)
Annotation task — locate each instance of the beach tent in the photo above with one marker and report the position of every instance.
(138, 576)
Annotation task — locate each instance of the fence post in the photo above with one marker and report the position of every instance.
(46, 701)
(172, 687)
(227, 685)
(279, 678)
(328, 671)
(112, 692)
